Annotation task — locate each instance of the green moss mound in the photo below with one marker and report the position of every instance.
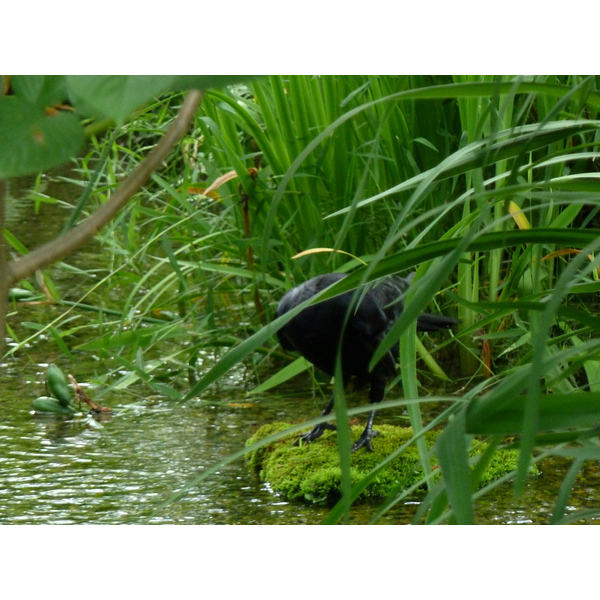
(311, 472)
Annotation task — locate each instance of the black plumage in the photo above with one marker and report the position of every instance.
(315, 333)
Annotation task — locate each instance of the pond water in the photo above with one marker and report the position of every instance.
(123, 468)
(59, 470)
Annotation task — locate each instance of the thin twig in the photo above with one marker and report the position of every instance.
(83, 397)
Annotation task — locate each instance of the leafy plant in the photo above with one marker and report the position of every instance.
(487, 186)
(39, 131)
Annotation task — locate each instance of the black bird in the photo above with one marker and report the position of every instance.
(315, 333)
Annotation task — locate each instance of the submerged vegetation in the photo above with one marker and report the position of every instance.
(488, 187)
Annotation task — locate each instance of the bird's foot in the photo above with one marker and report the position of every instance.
(316, 432)
(365, 440)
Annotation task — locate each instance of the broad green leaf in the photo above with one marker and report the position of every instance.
(117, 96)
(41, 90)
(33, 141)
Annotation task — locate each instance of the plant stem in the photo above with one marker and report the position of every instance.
(78, 236)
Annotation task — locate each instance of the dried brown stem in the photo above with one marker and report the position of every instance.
(83, 397)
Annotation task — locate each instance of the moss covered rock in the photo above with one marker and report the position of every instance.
(311, 472)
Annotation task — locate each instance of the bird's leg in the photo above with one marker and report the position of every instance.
(318, 430)
(367, 435)
(376, 394)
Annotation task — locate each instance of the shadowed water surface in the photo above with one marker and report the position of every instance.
(120, 470)
(58, 470)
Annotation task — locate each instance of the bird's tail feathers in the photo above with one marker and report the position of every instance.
(427, 322)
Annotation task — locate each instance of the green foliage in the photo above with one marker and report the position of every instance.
(47, 404)
(58, 384)
(31, 141)
(312, 472)
(487, 186)
(38, 131)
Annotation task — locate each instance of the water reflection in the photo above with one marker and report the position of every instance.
(61, 471)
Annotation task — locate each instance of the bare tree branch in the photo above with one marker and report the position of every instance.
(78, 236)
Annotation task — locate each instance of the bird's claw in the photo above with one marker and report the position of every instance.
(365, 440)
(316, 432)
